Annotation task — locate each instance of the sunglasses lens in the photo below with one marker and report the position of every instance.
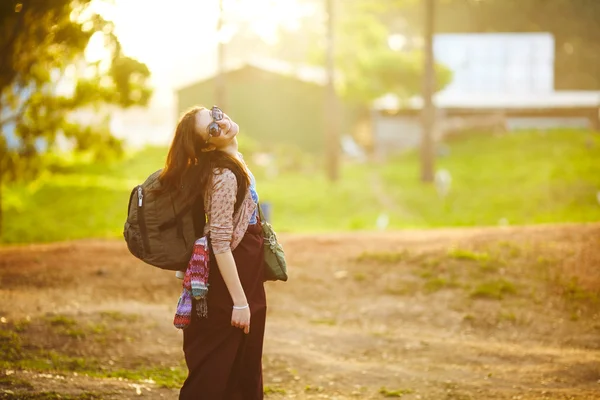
(213, 129)
(217, 114)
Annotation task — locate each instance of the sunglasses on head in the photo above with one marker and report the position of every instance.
(213, 128)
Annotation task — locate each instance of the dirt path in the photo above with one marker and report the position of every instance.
(491, 313)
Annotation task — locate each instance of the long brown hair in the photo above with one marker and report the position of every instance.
(187, 162)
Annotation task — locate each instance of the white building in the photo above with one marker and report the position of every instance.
(502, 79)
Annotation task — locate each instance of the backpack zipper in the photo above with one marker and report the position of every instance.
(142, 220)
(140, 196)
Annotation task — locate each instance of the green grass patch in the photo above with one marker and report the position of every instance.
(61, 321)
(574, 292)
(49, 396)
(50, 360)
(359, 276)
(469, 318)
(435, 284)
(10, 345)
(13, 382)
(168, 377)
(496, 289)
(462, 254)
(267, 390)
(508, 316)
(20, 351)
(56, 362)
(313, 389)
(395, 392)
(523, 178)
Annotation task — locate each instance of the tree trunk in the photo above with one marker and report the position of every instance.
(428, 112)
(1, 214)
(330, 114)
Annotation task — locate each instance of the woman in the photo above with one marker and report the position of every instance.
(223, 351)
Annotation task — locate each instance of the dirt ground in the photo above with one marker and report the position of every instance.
(493, 313)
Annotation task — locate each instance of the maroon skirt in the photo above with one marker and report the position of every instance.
(223, 362)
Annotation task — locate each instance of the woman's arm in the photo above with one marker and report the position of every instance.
(223, 199)
(230, 275)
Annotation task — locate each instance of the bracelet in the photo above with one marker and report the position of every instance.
(241, 308)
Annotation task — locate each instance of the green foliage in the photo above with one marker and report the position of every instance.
(42, 50)
(368, 67)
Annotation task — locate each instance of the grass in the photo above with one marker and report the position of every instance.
(10, 345)
(394, 393)
(267, 390)
(14, 382)
(461, 254)
(19, 350)
(435, 284)
(523, 178)
(495, 289)
(49, 396)
(53, 361)
(61, 320)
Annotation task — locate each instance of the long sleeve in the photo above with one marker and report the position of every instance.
(222, 203)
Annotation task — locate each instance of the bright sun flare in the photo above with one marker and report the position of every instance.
(167, 36)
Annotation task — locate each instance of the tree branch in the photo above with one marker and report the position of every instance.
(15, 32)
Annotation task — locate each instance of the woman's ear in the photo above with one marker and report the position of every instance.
(210, 147)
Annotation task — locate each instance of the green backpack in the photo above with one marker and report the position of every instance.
(160, 228)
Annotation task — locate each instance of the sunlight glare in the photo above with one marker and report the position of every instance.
(95, 50)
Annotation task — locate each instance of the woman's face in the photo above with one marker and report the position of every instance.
(228, 131)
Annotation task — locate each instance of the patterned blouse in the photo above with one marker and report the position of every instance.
(226, 227)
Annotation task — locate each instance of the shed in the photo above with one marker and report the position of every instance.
(273, 105)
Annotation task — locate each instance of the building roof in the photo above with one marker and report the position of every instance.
(305, 73)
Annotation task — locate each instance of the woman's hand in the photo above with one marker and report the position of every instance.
(241, 319)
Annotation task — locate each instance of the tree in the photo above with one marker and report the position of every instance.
(45, 80)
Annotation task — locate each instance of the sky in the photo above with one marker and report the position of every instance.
(178, 41)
